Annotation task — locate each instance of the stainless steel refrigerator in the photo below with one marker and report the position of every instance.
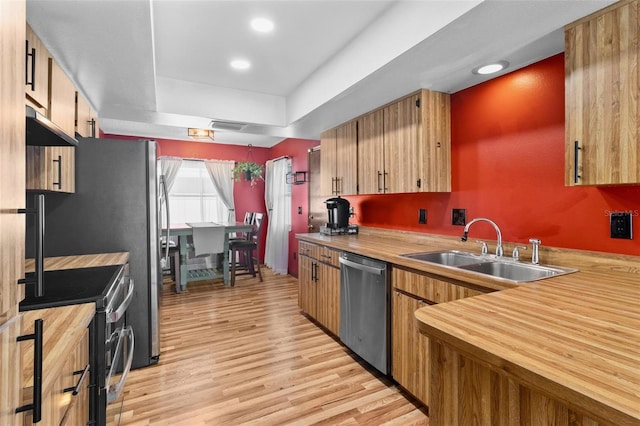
(115, 208)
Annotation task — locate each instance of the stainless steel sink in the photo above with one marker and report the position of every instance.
(497, 267)
(446, 257)
(518, 272)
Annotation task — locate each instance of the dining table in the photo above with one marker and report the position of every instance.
(183, 274)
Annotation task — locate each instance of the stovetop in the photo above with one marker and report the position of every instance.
(72, 287)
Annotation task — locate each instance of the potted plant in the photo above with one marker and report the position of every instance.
(249, 170)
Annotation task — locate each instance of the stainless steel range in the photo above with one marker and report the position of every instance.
(111, 339)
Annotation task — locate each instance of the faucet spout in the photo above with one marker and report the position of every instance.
(499, 250)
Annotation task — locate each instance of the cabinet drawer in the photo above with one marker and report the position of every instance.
(308, 249)
(329, 256)
(430, 288)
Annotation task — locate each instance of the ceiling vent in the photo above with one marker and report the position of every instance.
(227, 125)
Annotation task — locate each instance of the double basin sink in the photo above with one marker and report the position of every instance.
(496, 267)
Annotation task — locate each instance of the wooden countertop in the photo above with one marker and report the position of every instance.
(575, 337)
(79, 261)
(63, 327)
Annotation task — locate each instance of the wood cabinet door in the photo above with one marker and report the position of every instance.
(12, 158)
(371, 173)
(602, 109)
(51, 168)
(77, 412)
(10, 369)
(401, 145)
(307, 285)
(347, 158)
(328, 297)
(62, 99)
(36, 78)
(435, 145)
(328, 162)
(83, 117)
(409, 348)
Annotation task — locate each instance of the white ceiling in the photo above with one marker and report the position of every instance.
(153, 68)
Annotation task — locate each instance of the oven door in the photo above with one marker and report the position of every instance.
(119, 346)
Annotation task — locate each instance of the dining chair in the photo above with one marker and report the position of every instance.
(248, 250)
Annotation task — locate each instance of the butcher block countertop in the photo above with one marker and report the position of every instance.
(575, 337)
(62, 329)
(79, 261)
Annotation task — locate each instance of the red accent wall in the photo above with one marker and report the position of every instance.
(296, 149)
(508, 165)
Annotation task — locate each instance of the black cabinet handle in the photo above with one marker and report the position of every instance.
(75, 389)
(38, 211)
(576, 150)
(59, 182)
(384, 181)
(92, 123)
(36, 405)
(31, 83)
(379, 185)
(419, 183)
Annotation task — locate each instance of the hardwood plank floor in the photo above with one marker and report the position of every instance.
(246, 355)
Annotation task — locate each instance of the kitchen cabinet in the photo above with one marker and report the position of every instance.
(338, 160)
(406, 146)
(12, 192)
(51, 168)
(602, 81)
(62, 99)
(86, 119)
(372, 171)
(36, 70)
(319, 284)
(410, 348)
(65, 358)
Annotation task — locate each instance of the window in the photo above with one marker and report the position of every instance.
(193, 197)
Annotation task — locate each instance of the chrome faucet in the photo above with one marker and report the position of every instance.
(499, 251)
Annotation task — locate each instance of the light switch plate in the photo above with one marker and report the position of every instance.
(621, 225)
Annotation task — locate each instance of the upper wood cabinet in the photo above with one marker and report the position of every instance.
(86, 119)
(602, 109)
(51, 168)
(338, 160)
(37, 70)
(434, 134)
(62, 99)
(371, 158)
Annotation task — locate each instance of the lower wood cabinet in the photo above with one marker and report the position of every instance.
(410, 348)
(412, 290)
(51, 168)
(472, 393)
(10, 371)
(319, 284)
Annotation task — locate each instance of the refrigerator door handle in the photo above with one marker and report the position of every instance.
(165, 196)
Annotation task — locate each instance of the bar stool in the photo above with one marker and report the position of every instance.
(249, 250)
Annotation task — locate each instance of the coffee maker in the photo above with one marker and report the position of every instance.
(338, 211)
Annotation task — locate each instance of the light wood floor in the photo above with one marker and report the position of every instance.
(245, 355)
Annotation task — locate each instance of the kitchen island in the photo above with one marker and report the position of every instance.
(564, 350)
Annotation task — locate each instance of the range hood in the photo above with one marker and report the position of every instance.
(43, 132)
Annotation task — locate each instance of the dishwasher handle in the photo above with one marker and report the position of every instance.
(361, 267)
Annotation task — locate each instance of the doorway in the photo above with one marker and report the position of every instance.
(317, 210)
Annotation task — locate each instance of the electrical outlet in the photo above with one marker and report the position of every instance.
(459, 217)
(422, 216)
(299, 209)
(621, 225)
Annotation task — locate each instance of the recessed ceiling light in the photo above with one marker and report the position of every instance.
(491, 68)
(262, 25)
(240, 64)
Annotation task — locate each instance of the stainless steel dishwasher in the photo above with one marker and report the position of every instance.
(364, 309)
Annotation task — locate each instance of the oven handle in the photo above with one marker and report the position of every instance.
(114, 391)
(114, 316)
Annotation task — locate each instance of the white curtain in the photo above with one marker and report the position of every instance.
(222, 178)
(278, 202)
(169, 167)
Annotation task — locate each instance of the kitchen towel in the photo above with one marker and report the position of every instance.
(208, 237)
